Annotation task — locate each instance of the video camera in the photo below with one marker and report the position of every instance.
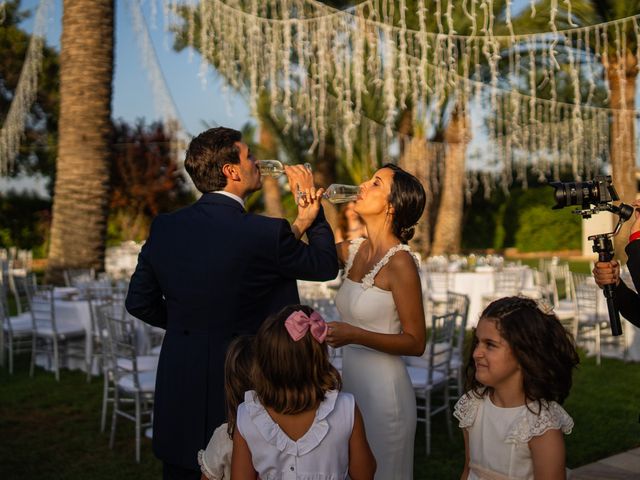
(593, 197)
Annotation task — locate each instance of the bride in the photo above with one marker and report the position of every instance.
(380, 302)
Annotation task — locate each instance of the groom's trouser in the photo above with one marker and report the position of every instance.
(175, 472)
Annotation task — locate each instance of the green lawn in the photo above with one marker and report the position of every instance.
(50, 430)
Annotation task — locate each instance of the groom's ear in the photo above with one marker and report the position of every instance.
(230, 171)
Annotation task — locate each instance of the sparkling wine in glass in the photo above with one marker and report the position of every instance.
(339, 193)
(270, 168)
(273, 168)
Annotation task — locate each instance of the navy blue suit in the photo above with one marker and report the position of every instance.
(208, 273)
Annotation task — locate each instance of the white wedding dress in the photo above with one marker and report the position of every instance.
(378, 381)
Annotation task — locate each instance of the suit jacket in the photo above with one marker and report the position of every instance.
(208, 273)
(628, 301)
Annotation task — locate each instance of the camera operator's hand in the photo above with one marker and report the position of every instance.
(635, 226)
(606, 273)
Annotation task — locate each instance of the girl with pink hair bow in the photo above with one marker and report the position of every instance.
(297, 423)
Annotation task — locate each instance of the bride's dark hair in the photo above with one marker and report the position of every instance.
(408, 199)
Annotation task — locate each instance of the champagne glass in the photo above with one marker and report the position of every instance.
(340, 193)
(274, 168)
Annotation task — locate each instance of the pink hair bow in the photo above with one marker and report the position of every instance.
(299, 322)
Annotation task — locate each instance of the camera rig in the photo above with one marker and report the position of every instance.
(594, 197)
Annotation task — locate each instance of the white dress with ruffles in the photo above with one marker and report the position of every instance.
(498, 437)
(379, 381)
(322, 453)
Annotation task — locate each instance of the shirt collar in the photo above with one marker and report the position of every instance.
(231, 195)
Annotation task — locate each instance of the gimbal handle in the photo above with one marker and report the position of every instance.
(603, 246)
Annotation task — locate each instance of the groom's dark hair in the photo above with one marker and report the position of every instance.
(208, 153)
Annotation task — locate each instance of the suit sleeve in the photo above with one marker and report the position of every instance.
(317, 261)
(144, 298)
(628, 301)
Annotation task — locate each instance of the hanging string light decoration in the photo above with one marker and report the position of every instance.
(164, 103)
(25, 92)
(320, 63)
(536, 98)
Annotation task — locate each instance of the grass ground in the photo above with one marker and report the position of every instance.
(51, 430)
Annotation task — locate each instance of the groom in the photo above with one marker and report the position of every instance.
(210, 272)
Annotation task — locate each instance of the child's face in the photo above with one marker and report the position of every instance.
(496, 366)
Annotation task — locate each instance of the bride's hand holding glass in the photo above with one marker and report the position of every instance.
(341, 334)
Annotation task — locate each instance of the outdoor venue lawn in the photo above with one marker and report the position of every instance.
(51, 430)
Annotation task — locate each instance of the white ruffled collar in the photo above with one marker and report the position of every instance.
(275, 436)
(525, 426)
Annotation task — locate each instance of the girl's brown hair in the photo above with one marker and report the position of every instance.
(545, 351)
(291, 377)
(238, 365)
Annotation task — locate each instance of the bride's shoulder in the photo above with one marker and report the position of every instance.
(403, 260)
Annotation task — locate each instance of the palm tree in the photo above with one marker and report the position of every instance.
(448, 229)
(621, 71)
(81, 191)
(454, 127)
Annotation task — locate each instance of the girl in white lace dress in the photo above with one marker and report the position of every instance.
(215, 460)
(297, 424)
(520, 370)
(380, 304)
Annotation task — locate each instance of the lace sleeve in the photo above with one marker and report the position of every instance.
(529, 425)
(466, 409)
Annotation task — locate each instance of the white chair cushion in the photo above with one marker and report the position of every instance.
(147, 382)
(64, 330)
(418, 378)
(21, 323)
(423, 360)
(143, 362)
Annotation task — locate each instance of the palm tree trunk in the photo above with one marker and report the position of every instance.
(622, 74)
(416, 159)
(270, 187)
(448, 230)
(81, 194)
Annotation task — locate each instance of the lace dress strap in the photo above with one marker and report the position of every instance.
(354, 246)
(369, 278)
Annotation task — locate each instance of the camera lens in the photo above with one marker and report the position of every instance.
(572, 193)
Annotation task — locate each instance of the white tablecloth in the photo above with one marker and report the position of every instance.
(477, 284)
(76, 312)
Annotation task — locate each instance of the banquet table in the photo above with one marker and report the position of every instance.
(478, 283)
(75, 311)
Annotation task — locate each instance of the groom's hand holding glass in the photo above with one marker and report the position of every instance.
(307, 197)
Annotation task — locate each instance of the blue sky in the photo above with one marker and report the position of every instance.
(132, 98)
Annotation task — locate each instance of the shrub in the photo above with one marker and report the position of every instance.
(543, 229)
(24, 222)
(523, 219)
